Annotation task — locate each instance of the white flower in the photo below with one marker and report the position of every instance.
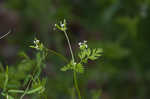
(62, 25)
(86, 46)
(36, 47)
(79, 43)
(74, 63)
(85, 41)
(83, 45)
(36, 41)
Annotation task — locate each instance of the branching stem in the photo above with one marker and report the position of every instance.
(74, 72)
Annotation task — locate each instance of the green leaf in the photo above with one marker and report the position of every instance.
(10, 97)
(82, 55)
(15, 91)
(28, 77)
(95, 54)
(1, 68)
(65, 68)
(88, 52)
(32, 46)
(7, 96)
(35, 90)
(79, 68)
(69, 66)
(6, 79)
(24, 55)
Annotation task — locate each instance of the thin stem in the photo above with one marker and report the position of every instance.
(57, 54)
(5, 34)
(6, 79)
(69, 46)
(76, 84)
(26, 90)
(74, 72)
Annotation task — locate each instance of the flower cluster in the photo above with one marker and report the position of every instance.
(37, 45)
(36, 42)
(62, 26)
(83, 45)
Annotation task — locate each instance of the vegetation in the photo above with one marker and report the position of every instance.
(120, 27)
(33, 83)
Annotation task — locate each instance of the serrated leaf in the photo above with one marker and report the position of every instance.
(88, 52)
(82, 55)
(79, 68)
(95, 54)
(64, 68)
(69, 66)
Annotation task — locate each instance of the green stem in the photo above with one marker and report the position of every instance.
(74, 72)
(30, 82)
(25, 92)
(6, 79)
(57, 54)
(69, 45)
(76, 84)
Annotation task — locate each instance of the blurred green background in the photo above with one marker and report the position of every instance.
(120, 27)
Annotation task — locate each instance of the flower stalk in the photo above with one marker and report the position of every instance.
(84, 55)
(63, 28)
